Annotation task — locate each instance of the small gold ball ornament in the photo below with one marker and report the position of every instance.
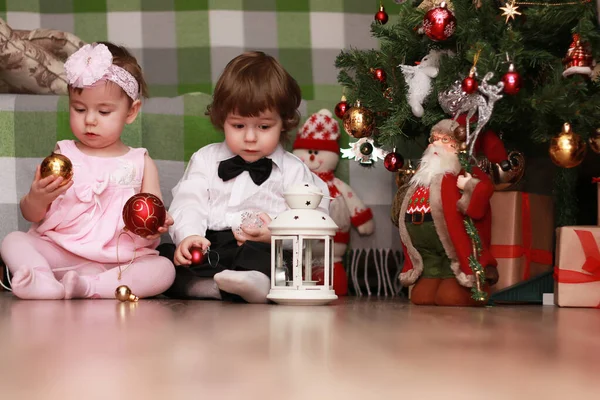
(58, 165)
(594, 141)
(404, 175)
(123, 293)
(567, 149)
(359, 121)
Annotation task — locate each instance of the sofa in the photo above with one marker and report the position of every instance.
(182, 46)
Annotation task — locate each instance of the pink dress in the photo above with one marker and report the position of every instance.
(87, 219)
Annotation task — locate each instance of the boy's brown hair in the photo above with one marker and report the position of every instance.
(254, 82)
(124, 59)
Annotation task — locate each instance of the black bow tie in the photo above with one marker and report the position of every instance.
(259, 170)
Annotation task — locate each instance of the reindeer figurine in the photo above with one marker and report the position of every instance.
(456, 102)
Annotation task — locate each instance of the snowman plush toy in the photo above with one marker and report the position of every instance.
(317, 146)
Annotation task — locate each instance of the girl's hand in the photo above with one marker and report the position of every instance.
(162, 229)
(262, 234)
(44, 191)
(182, 252)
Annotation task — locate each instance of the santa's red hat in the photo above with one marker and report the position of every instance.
(488, 143)
(320, 132)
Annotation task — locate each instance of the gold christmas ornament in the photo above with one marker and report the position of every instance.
(510, 10)
(404, 175)
(567, 149)
(594, 141)
(359, 121)
(123, 293)
(57, 164)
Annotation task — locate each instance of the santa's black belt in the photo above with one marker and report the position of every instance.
(417, 218)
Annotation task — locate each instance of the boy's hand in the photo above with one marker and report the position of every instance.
(162, 229)
(182, 252)
(262, 234)
(44, 191)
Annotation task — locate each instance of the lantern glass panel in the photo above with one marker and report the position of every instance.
(283, 259)
(313, 260)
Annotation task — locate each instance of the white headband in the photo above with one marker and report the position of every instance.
(93, 63)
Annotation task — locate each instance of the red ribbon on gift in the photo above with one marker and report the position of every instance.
(515, 251)
(590, 265)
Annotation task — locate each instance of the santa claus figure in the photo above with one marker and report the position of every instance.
(434, 205)
(317, 146)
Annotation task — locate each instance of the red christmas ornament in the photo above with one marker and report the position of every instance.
(439, 23)
(381, 16)
(341, 108)
(469, 85)
(512, 81)
(197, 255)
(393, 161)
(379, 74)
(143, 214)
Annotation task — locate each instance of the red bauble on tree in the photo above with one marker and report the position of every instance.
(379, 74)
(381, 16)
(341, 108)
(469, 84)
(512, 81)
(439, 23)
(143, 214)
(393, 161)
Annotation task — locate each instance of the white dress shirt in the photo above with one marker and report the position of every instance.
(201, 200)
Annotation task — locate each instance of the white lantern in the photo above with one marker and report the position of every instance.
(297, 236)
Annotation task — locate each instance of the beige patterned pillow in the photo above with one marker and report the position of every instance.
(61, 44)
(28, 68)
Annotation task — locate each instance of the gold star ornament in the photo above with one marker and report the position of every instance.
(510, 10)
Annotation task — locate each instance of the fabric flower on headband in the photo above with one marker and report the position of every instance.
(92, 63)
(88, 65)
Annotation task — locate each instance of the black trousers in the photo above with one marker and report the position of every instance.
(250, 256)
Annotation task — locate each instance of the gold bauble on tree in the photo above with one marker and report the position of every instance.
(567, 149)
(594, 141)
(359, 121)
(57, 164)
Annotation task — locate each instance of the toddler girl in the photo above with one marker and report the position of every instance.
(71, 248)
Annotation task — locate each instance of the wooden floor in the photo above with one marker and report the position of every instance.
(354, 349)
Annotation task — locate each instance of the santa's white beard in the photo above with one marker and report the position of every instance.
(436, 160)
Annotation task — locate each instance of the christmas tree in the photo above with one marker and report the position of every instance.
(550, 44)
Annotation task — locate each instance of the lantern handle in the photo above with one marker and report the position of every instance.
(324, 196)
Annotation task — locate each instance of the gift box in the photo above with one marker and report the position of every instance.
(577, 271)
(523, 249)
